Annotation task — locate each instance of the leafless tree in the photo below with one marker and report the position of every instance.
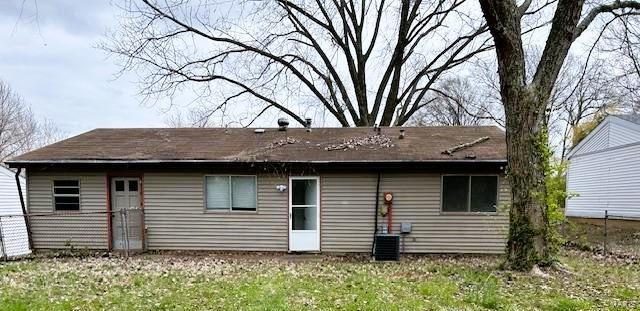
(525, 102)
(18, 126)
(364, 62)
(589, 89)
(456, 102)
(622, 41)
(20, 130)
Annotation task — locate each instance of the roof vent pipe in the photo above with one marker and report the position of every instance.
(283, 123)
(307, 124)
(401, 134)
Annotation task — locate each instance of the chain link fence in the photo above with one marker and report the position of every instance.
(72, 232)
(613, 234)
(14, 238)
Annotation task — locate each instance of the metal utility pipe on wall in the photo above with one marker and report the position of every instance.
(24, 208)
(375, 216)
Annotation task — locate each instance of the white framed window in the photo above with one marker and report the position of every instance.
(66, 195)
(230, 192)
(469, 193)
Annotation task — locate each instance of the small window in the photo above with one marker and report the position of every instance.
(66, 195)
(477, 194)
(236, 193)
(133, 185)
(119, 185)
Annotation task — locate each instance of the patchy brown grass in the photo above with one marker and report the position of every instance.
(283, 282)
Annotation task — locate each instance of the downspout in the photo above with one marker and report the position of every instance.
(375, 216)
(24, 208)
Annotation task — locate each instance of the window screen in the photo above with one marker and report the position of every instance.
(66, 195)
(469, 193)
(455, 190)
(231, 193)
(484, 193)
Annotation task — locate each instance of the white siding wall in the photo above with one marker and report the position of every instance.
(14, 232)
(597, 140)
(606, 176)
(623, 133)
(608, 180)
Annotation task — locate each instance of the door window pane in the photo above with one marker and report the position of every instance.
(484, 193)
(217, 192)
(133, 185)
(304, 204)
(243, 193)
(119, 185)
(455, 192)
(304, 192)
(304, 218)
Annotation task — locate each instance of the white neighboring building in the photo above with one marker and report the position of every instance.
(604, 170)
(14, 241)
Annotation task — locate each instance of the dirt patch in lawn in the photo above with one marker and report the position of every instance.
(621, 237)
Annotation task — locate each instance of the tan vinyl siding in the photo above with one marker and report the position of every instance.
(55, 230)
(347, 211)
(176, 220)
(347, 224)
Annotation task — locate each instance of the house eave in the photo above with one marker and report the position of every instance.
(25, 163)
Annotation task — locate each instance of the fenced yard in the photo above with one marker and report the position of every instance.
(287, 282)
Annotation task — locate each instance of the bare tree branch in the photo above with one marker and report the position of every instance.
(326, 54)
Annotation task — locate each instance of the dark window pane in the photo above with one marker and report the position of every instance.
(455, 192)
(67, 203)
(119, 185)
(303, 192)
(67, 207)
(65, 183)
(74, 200)
(133, 185)
(484, 193)
(66, 190)
(304, 218)
(66, 195)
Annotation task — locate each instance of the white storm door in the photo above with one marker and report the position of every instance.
(304, 214)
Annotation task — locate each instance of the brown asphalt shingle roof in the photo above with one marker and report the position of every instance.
(294, 145)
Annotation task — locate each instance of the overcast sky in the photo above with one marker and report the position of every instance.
(53, 64)
(48, 55)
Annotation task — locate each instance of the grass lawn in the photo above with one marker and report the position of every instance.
(273, 282)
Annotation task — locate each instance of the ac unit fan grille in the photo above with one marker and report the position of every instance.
(387, 247)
